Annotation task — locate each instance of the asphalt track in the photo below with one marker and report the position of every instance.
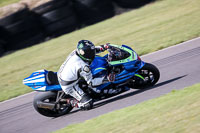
(179, 66)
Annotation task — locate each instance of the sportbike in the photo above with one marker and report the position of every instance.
(122, 62)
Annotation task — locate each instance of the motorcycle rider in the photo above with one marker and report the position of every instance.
(76, 66)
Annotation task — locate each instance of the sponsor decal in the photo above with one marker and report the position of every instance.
(80, 46)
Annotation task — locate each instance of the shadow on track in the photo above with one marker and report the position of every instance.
(136, 92)
(115, 98)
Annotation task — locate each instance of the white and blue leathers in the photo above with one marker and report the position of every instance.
(69, 75)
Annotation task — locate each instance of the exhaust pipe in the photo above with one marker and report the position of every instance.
(46, 105)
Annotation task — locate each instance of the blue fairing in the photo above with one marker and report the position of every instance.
(99, 68)
(130, 69)
(100, 65)
(37, 81)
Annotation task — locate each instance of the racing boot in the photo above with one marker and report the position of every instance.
(86, 102)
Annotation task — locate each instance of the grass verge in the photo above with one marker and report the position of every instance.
(7, 2)
(176, 112)
(147, 29)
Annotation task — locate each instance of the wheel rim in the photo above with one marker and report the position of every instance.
(149, 77)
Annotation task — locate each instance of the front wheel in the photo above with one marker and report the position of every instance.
(150, 75)
(50, 99)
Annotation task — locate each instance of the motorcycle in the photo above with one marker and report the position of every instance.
(127, 69)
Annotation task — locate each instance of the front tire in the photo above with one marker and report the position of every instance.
(151, 75)
(50, 97)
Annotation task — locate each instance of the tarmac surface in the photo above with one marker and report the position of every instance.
(179, 67)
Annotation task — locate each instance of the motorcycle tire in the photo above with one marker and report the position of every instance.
(29, 41)
(131, 3)
(49, 6)
(49, 97)
(2, 49)
(16, 16)
(93, 11)
(150, 73)
(57, 14)
(63, 26)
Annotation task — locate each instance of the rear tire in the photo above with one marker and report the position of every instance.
(49, 97)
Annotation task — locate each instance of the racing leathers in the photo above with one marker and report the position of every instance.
(70, 73)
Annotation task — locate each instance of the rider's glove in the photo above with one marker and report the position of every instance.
(104, 47)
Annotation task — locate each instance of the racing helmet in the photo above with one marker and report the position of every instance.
(86, 50)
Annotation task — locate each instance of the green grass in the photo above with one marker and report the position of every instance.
(147, 29)
(7, 2)
(176, 112)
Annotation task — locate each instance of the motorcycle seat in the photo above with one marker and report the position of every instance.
(51, 78)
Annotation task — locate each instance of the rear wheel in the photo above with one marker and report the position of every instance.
(50, 97)
(151, 75)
